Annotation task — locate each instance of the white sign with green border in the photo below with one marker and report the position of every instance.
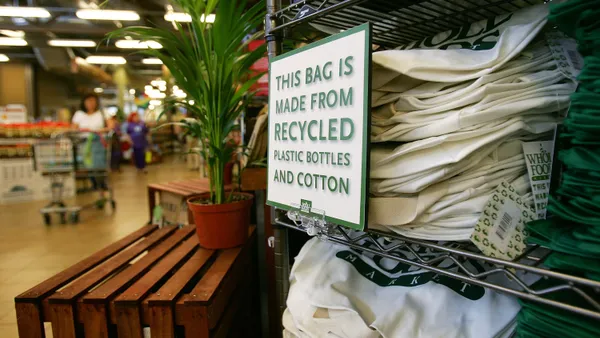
(319, 117)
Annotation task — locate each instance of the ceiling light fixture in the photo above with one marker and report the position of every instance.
(4, 58)
(152, 61)
(98, 90)
(12, 42)
(137, 44)
(155, 102)
(156, 95)
(106, 60)
(71, 43)
(158, 83)
(24, 12)
(106, 14)
(12, 34)
(184, 17)
(132, 91)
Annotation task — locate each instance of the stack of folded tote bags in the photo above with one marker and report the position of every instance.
(336, 291)
(448, 122)
(573, 230)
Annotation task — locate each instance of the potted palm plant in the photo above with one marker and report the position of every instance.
(211, 64)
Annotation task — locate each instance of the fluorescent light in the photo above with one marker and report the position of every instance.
(24, 12)
(106, 60)
(158, 83)
(162, 88)
(105, 14)
(71, 43)
(132, 91)
(148, 88)
(156, 95)
(152, 61)
(178, 17)
(98, 90)
(12, 34)
(137, 44)
(210, 18)
(184, 17)
(12, 42)
(155, 102)
(4, 58)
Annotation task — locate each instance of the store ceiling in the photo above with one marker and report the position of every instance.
(64, 24)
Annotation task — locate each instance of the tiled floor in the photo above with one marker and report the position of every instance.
(31, 252)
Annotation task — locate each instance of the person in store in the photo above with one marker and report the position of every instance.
(89, 117)
(138, 131)
(116, 153)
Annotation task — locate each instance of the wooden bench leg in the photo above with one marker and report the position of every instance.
(129, 322)
(162, 321)
(151, 202)
(195, 322)
(95, 322)
(29, 320)
(62, 317)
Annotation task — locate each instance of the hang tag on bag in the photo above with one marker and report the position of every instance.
(565, 53)
(500, 231)
(538, 157)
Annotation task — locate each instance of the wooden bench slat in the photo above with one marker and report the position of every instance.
(174, 190)
(141, 288)
(62, 278)
(105, 269)
(190, 185)
(125, 278)
(228, 272)
(241, 296)
(174, 286)
(206, 287)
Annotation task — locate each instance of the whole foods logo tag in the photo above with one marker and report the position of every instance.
(541, 165)
(305, 206)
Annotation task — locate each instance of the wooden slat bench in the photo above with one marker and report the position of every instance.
(156, 278)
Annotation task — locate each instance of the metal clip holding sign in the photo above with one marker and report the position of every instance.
(313, 220)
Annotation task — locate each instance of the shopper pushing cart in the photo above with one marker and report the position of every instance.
(88, 146)
(87, 155)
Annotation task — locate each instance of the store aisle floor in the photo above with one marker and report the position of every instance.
(31, 252)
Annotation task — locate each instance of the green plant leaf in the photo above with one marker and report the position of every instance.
(211, 64)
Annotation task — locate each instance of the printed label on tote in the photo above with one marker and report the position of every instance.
(500, 231)
(564, 51)
(538, 157)
(386, 272)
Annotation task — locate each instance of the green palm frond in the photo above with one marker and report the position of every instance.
(211, 63)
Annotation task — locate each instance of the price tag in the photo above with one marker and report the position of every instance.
(319, 118)
(564, 51)
(500, 231)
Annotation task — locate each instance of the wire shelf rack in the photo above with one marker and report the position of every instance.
(529, 264)
(395, 22)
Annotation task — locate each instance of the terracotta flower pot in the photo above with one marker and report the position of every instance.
(221, 226)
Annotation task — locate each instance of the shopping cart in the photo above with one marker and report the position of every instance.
(87, 155)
